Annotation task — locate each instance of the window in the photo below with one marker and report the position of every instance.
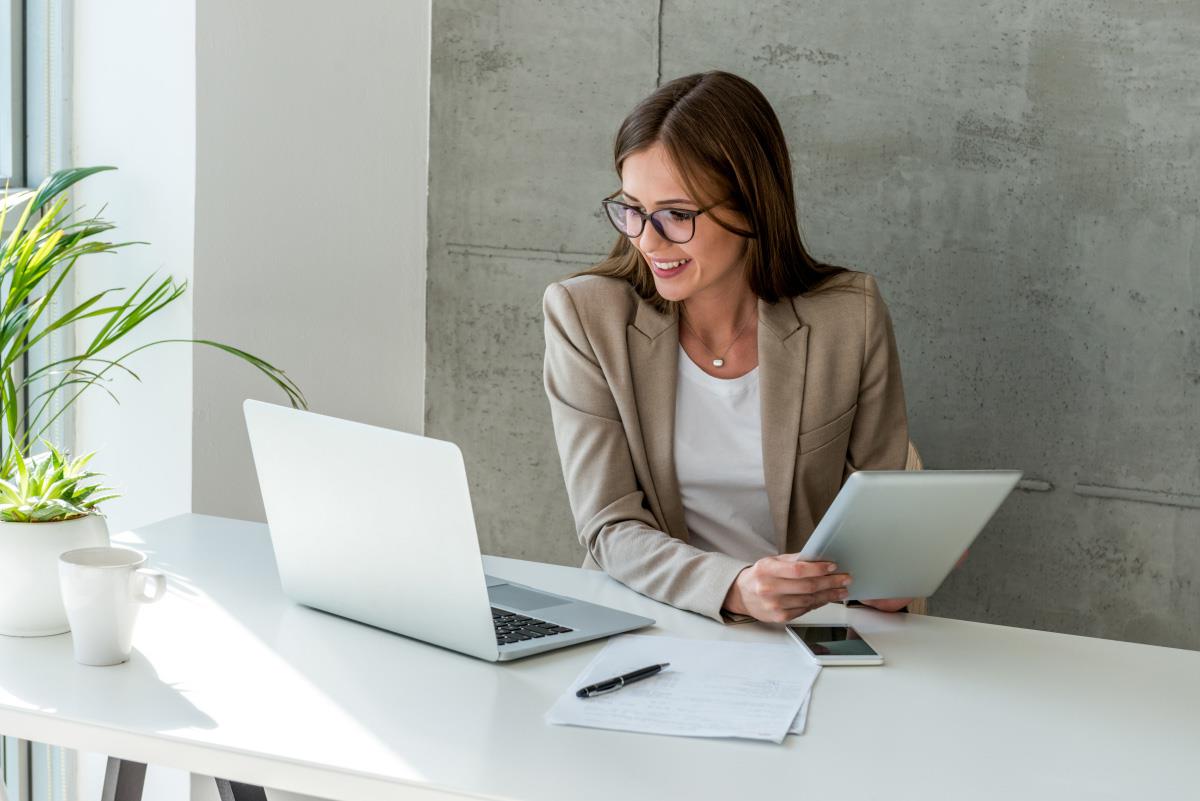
(12, 92)
(36, 772)
(34, 59)
(14, 767)
(34, 75)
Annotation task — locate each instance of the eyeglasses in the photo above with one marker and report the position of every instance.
(673, 225)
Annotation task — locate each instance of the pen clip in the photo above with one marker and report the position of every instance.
(620, 682)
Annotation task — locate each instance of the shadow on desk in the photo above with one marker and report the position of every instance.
(130, 694)
(346, 661)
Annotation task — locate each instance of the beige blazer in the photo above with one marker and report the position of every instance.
(832, 403)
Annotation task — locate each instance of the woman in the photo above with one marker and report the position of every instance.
(711, 384)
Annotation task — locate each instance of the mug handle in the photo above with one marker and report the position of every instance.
(151, 578)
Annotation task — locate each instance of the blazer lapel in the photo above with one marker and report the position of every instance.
(782, 355)
(653, 341)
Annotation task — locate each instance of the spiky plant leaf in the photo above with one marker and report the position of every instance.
(51, 486)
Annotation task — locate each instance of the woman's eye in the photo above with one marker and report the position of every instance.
(679, 215)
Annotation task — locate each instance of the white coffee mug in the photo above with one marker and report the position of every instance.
(102, 590)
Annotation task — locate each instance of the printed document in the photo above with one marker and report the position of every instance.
(713, 688)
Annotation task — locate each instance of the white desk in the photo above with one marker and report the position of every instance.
(230, 679)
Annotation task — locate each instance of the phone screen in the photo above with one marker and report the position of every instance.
(833, 640)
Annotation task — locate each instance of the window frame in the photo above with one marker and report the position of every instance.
(14, 767)
(34, 142)
(48, 27)
(12, 93)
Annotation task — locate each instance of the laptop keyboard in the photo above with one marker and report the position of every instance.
(512, 627)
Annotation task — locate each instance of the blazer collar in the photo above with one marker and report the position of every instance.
(780, 318)
(653, 340)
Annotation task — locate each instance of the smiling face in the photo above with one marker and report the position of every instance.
(713, 260)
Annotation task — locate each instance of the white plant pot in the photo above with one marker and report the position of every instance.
(30, 602)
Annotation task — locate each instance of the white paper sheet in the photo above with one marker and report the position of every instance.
(712, 689)
(801, 718)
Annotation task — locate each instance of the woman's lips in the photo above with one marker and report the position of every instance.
(669, 273)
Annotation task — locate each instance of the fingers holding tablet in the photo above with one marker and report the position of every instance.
(779, 588)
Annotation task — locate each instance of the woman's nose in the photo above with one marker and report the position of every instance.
(649, 238)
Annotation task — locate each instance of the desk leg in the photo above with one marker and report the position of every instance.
(123, 780)
(236, 791)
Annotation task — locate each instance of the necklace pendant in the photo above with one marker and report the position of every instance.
(718, 362)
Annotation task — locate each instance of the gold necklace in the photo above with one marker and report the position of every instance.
(718, 361)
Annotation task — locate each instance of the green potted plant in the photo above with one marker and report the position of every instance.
(49, 503)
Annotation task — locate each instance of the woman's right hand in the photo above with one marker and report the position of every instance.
(776, 589)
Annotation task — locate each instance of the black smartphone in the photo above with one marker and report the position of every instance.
(835, 644)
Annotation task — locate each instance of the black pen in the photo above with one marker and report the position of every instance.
(617, 682)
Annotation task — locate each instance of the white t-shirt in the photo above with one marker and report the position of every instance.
(718, 461)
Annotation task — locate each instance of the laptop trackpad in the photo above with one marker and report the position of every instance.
(520, 599)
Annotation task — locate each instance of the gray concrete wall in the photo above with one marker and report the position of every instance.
(1023, 180)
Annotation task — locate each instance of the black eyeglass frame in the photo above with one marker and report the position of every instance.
(652, 216)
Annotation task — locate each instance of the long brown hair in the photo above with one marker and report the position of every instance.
(726, 142)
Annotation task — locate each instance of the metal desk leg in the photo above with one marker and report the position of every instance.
(123, 780)
(236, 791)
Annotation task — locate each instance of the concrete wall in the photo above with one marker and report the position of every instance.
(311, 170)
(1020, 178)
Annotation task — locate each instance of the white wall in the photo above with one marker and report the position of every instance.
(134, 106)
(134, 90)
(275, 155)
(311, 186)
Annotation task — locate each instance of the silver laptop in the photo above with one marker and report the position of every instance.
(376, 525)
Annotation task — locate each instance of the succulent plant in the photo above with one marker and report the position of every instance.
(49, 486)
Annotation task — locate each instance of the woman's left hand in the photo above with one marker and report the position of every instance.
(896, 604)
(888, 604)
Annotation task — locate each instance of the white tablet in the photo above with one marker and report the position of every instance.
(898, 533)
